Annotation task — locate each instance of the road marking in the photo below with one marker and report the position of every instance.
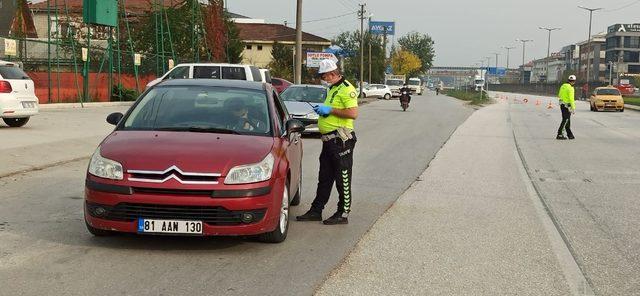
(573, 273)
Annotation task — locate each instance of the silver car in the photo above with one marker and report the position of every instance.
(300, 100)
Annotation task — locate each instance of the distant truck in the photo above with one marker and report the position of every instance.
(415, 84)
(478, 80)
(394, 82)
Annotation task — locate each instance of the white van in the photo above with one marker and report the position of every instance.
(415, 84)
(18, 101)
(211, 71)
(266, 75)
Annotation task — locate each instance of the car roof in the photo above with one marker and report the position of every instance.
(3, 63)
(215, 83)
(211, 64)
(307, 85)
(606, 87)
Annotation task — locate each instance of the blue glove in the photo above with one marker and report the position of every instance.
(323, 110)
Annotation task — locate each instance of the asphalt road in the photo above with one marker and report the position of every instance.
(591, 186)
(45, 249)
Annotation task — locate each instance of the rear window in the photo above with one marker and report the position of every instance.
(276, 82)
(12, 72)
(255, 72)
(609, 92)
(234, 73)
(206, 72)
(414, 82)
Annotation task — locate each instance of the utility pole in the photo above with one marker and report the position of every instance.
(298, 51)
(524, 45)
(370, 15)
(362, 17)
(508, 48)
(496, 54)
(549, 47)
(487, 80)
(591, 10)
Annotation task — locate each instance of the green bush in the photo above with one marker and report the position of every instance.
(121, 93)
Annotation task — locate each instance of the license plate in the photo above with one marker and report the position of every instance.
(28, 104)
(169, 226)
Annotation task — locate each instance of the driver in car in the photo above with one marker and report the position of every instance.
(240, 119)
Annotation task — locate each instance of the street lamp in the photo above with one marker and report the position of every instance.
(508, 48)
(548, 47)
(591, 10)
(524, 46)
(487, 75)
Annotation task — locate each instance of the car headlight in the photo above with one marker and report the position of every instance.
(251, 173)
(312, 115)
(105, 168)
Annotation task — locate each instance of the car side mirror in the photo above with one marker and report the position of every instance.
(114, 118)
(294, 126)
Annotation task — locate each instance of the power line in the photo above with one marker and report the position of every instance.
(623, 7)
(330, 18)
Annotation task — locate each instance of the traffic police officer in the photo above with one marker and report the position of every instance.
(567, 106)
(337, 114)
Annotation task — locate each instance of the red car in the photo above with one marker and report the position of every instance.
(280, 84)
(198, 157)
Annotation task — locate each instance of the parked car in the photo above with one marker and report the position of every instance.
(198, 157)
(300, 100)
(606, 98)
(265, 75)
(280, 84)
(211, 71)
(377, 91)
(18, 101)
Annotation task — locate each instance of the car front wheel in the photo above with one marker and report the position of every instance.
(16, 122)
(280, 233)
(387, 96)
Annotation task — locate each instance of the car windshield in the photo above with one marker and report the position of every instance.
(395, 82)
(414, 82)
(202, 109)
(304, 94)
(12, 72)
(608, 92)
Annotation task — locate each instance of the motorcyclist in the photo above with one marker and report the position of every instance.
(405, 91)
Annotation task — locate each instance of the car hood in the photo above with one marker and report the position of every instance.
(189, 151)
(299, 108)
(608, 97)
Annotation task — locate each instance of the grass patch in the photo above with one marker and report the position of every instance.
(473, 97)
(632, 100)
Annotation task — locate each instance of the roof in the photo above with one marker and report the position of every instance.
(274, 32)
(75, 6)
(253, 85)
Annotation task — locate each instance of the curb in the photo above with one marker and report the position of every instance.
(632, 107)
(86, 105)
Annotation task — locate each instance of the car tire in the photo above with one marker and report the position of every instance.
(16, 122)
(296, 198)
(387, 96)
(591, 107)
(279, 234)
(622, 110)
(98, 231)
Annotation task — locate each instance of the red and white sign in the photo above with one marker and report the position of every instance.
(314, 58)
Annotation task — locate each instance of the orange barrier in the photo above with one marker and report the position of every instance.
(67, 92)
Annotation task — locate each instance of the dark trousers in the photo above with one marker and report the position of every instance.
(336, 162)
(566, 122)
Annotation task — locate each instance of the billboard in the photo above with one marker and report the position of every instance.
(497, 71)
(314, 58)
(379, 28)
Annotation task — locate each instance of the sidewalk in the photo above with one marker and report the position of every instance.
(472, 224)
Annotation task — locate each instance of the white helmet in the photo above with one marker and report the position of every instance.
(327, 66)
(572, 77)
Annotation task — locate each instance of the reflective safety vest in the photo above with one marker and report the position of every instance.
(567, 95)
(341, 95)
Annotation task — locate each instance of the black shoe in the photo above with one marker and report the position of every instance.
(310, 215)
(571, 137)
(337, 218)
(561, 137)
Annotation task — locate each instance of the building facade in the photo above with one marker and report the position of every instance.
(623, 50)
(592, 55)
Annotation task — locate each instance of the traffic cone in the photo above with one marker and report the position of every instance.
(526, 100)
(538, 102)
(550, 105)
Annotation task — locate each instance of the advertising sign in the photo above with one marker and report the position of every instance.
(137, 59)
(10, 47)
(314, 58)
(380, 28)
(497, 71)
(85, 54)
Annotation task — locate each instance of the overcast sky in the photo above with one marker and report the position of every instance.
(464, 31)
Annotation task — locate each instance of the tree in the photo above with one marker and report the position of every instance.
(282, 63)
(422, 46)
(404, 62)
(350, 43)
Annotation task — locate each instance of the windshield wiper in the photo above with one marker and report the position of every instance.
(197, 129)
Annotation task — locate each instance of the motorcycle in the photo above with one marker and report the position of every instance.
(405, 97)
